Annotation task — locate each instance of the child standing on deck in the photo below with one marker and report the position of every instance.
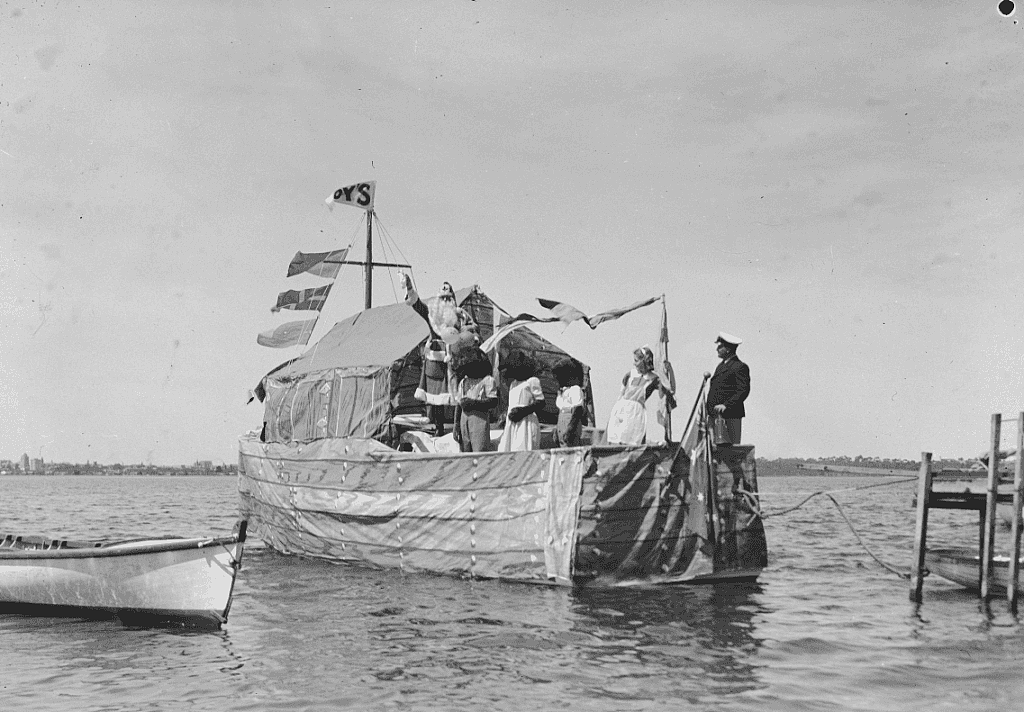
(475, 395)
(525, 400)
(571, 406)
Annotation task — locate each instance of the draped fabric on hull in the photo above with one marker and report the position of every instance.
(572, 516)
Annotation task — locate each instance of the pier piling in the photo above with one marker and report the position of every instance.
(985, 505)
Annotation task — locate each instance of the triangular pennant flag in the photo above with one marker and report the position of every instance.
(563, 312)
(568, 313)
(358, 195)
(294, 333)
(322, 264)
(305, 299)
(593, 321)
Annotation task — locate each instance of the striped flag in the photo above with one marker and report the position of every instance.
(322, 264)
(305, 299)
(293, 333)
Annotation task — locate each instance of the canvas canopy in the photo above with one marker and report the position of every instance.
(364, 372)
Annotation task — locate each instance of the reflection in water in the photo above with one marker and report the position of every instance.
(704, 632)
(450, 643)
(80, 659)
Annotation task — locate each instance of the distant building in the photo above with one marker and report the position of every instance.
(24, 463)
(37, 466)
(204, 465)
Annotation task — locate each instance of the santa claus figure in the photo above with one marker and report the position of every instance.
(452, 329)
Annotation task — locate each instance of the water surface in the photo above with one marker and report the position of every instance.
(826, 628)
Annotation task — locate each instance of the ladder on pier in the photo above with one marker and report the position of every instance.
(985, 505)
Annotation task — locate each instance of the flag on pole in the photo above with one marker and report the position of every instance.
(305, 299)
(322, 264)
(358, 195)
(293, 333)
(663, 369)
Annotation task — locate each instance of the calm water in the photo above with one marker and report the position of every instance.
(826, 628)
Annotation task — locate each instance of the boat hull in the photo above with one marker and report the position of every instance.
(960, 566)
(585, 516)
(187, 580)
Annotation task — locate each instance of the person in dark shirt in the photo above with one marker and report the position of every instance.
(729, 387)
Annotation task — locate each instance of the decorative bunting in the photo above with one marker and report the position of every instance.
(567, 314)
(593, 321)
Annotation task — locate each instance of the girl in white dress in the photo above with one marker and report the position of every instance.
(628, 422)
(525, 400)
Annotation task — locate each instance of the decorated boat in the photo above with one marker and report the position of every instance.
(345, 468)
(142, 581)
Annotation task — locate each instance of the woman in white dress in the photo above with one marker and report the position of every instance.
(628, 422)
(525, 400)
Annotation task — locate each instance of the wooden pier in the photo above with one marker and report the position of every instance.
(985, 505)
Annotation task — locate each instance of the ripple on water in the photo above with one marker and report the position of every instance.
(824, 629)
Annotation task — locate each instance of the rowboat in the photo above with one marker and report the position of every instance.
(142, 581)
(961, 566)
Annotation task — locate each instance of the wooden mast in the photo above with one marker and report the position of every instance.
(369, 264)
(368, 269)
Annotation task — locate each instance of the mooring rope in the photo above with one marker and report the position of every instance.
(752, 500)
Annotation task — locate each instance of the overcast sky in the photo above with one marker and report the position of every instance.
(840, 184)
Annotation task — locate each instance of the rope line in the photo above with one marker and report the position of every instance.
(887, 567)
(752, 501)
(812, 495)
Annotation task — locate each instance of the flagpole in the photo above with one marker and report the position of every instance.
(368, 270)
(664, 336)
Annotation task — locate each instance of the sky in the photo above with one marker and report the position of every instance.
(838, 184)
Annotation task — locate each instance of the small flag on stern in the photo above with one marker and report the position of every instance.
(358, 195)
(294, 333)
(322, 264)
(305, 299)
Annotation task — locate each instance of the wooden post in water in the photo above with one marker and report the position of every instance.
(1018, 496)
(990, 508)
(924, 493)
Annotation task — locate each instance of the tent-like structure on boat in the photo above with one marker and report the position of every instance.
(359, 380)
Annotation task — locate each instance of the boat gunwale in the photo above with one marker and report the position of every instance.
(383, 455)
(114, 549)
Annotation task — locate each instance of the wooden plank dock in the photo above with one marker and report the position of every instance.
(985, 505)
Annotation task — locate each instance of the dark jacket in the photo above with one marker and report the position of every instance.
(730, 386)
